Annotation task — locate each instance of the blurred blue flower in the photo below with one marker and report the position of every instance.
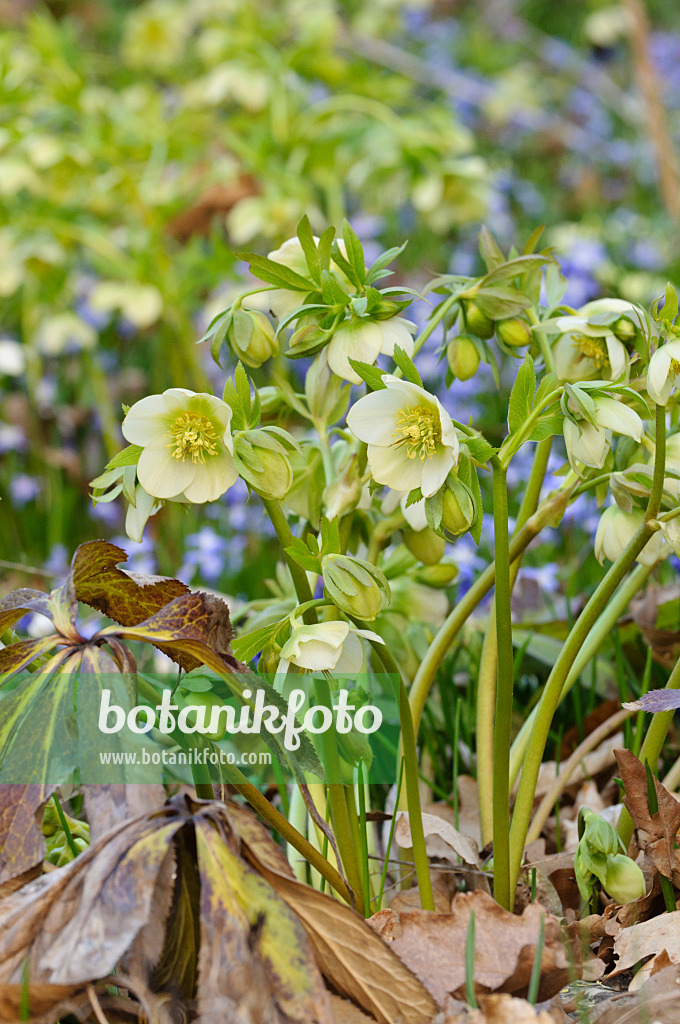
(206, 554)
(140, 557)
(23, 488)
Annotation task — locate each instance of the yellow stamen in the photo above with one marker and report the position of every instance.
(194, 437)
(594, 349)
(419, 430)
(674, 368)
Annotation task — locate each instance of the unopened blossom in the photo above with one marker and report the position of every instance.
(187, 445)
(410, 436)
(664, 367)
(365, 340)
(589, 443)
(615, 531)
(326, 646)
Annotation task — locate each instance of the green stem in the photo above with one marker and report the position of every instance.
(486, 685)
(433, 322)
(549, 510)
(597, 636)
(504, 686)
(651, 749)
(342, 826)
(410, 769)
(556, 680)
(543, 342)
(283, 532)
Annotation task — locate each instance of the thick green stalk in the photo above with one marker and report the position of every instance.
(651, 749)
(342, 826)
(577, 637)
(597, 636)
(549, 510)
(410, 772)
(285, 536)
(504, 684)
(486, 684)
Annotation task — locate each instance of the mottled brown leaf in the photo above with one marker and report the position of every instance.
(353, 958)
(126, 597)
(22, 845)
(255, 962)
(193, 629)
(111, 806)
(20, 655)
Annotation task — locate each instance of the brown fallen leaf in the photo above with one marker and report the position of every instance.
(657, 1001)
(505, 1009)
(22, 844)
(443, 889)
(108, 806)
(433, 946)
(441, 839)
(661, 827)
(648, 938)
(46, 1003)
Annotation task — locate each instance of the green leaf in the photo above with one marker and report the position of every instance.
(370, 374)
(548, 425)
(302, 555)
(127, 457)
(376, 271)
(467, 475)
(479, 448)
(522, 395)
(275, 273)
(533, 239)
(325, 246)
(501, 303)
(670, 306)
(245, 647)
(332, 292)
(511, 269)
(355, 252)
(306, 237)
(407, 366)
(489, 249)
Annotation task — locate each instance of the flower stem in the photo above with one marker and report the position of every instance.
(577, 637)
(410, 773)
(342, 827)
(549, 509)
(486, 685)
(283, 532)
(433, 322)
(504, 684)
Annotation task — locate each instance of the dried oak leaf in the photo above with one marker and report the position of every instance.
(433, 946)
(661, 827)
(22, 846)
(216, 200)
(442, 839)
(649, 938)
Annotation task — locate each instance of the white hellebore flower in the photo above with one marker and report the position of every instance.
(590, 444)
(366, 340)
(585, 351)
(326, 646)
(411, 439)
(664, 367)
(615, 531)
(187, 445)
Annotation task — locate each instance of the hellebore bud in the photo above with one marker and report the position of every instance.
(425, 545)
(437, 575)
(463, 357)
(624, 329)
(514, 332)
(458, 511)
(624, 880)
(251, 335)
(477, 322)
(355, 586)
(262, 462)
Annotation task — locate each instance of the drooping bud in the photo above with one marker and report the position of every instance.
(437, 575)
(478, 323)
(263, 463)
(252, 337)
(343, 494)
(624, 880)
(463, 357)
(355, 586)
(514, 332)
(458, 510)
(426, 545)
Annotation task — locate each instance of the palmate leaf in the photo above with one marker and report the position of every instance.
(126, 597)
(522, 395)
